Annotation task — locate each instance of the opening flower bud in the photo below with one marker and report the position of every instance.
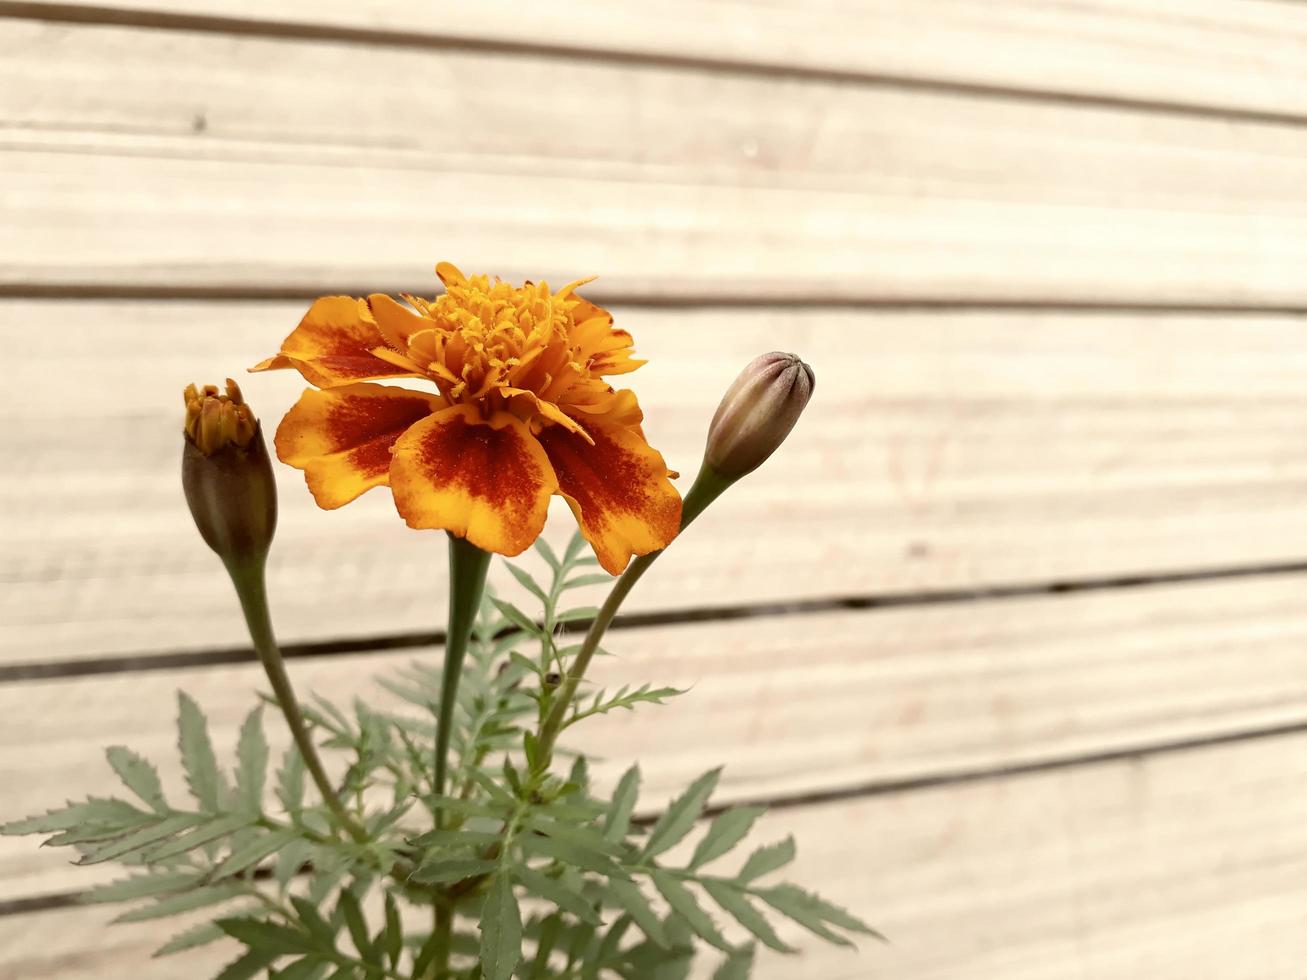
(227, 475)
(757, 413)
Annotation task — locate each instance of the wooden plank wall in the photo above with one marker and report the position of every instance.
(1012, 632)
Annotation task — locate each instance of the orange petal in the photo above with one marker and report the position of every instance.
(333, 345)
(485, 480)
(396, 321)
(342, 437)
(617, 488)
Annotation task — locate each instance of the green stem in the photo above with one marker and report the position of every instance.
(251, 587)
(708, 486)
(468, 566)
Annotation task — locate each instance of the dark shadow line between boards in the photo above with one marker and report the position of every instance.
(222, 656)
(104, 15)
(688, 301)
(70, 899)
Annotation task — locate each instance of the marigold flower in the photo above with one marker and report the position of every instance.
(520, 411)
(227, 476)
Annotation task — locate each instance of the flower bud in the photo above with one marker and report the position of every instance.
(757, 413)
(227, 475)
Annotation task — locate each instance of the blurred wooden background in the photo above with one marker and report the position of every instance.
(1012, 631)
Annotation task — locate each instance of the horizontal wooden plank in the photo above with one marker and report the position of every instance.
(1146, 50)
(792, 705)
(942, 451)
(1181, 866)
(231, 163)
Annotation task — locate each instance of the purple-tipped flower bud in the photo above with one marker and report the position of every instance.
(227, 475)
(757, 413)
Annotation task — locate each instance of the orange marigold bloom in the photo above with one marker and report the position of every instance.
(520, 411)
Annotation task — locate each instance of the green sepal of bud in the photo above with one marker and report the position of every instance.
(232, 495)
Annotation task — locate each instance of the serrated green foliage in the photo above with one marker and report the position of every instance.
(252, 763)
(565, 891)
(617, 821)
(736, 966)
(735, 902)
(625, 699)
(192, 938)
(684, 904)
(138, 775)
(767, 859)
(501, 930)
(680, 817)
(290, 781)
(727, 830)
(608, 900)
(198, 761)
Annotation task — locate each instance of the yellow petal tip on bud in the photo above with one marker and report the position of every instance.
(215, 420)
(757, 413)
(227, 475)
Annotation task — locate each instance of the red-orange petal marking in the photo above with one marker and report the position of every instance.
(485, 480)
(333, 346)
(617, 488)
(342, 437)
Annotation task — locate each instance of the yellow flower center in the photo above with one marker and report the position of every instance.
(502, 346)
(215, 421)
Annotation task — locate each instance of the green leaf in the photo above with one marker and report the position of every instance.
(560, 892)
(592, 839)
(545, 943)
(248, 965)
(290, 781)
(681, 816)
(348, 905)
(586, 613)
(813, 913)
(269, 937)
(185, 902)
(629, 896)
(597, 578)
(448, 871)
(140, 839)
(192, 938)
(290, 859)
(312, 921)
(140, 886)
(527, 582)
(204, 834)
(252, 852)
(138, 775)
(515, 616)
(501, 930)
(618, 820)
(737, 966)
(198, 761)
(306, 968)
(685, 905)
(547, 553)
(571, 854)
(731, 898)
(393, 941)
(95, 811)
(574, 546)
(455, 839)
(252, 763)
(725, 832)
(767, 859)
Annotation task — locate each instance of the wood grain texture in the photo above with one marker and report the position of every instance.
(1185, 866)
(177, 160)
(791, 705)
(1144, 50)
(942, 451)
